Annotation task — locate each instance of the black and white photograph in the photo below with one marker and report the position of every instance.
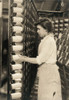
(34, 49)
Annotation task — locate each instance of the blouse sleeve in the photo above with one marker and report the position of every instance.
(46, 52)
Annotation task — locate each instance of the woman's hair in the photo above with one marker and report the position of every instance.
(46, 24)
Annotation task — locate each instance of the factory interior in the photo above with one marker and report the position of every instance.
(17, 19)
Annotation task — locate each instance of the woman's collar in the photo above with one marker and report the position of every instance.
(49, 35)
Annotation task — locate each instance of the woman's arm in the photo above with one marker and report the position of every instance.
(29, 59)
(26, 59)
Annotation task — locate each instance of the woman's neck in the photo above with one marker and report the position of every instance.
(49, 34)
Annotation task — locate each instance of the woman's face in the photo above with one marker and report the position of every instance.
(41, 31)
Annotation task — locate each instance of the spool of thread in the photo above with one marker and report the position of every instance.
(56, 25)
(56, 29)
(18, 1)
(19, 4)
(15, 57)
(18, 20)
(17, 38)
(17, 66)
(60, 35)
(16, 76)
(66, 20)
(65, 24)
(61, 29)
(16, 85)
(18, 80)
(61, 25)
(56, 33)
(56, 21)
(17, 29)
(61, 21)
(60, 47)
(18, 10)
(16, 95)
(17, 47)
(67, 63)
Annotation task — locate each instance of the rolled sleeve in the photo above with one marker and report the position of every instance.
(38, 60)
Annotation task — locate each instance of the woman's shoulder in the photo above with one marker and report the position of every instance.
(50, 38)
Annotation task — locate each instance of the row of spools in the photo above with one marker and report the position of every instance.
(63, 48)
(62, 42)
(18, 27)
(60, 25)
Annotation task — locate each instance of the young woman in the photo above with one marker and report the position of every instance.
(49, 78)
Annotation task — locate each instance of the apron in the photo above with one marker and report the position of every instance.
(49, 87)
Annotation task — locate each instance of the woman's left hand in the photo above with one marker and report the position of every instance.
(18, 58)
(22, 58)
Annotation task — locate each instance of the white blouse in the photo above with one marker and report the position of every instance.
(47, 50)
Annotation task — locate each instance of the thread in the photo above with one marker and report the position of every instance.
(17, 66)
(16, 76)
(16, 85)
(18, 20)
(17, 29)
(17, 38)
(17, 1)
(18, 9)
(17, 47)
(16, 95)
